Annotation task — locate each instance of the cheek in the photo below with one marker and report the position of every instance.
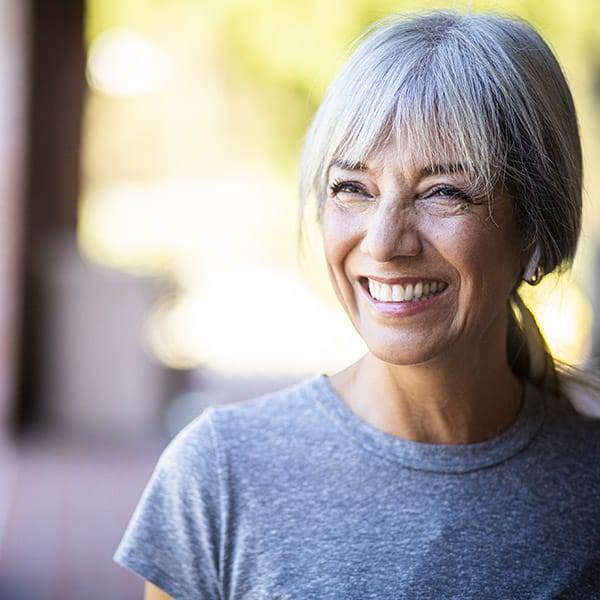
(487, 258)
(340, 236)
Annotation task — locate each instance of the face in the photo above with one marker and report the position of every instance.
(423, 269)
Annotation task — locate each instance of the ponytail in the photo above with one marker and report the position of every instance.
(531, 359)
(534, 360)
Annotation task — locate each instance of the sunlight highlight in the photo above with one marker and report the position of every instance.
(122, 63)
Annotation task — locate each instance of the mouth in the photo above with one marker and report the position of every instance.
(415, 291)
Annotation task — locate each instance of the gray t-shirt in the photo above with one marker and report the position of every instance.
(291, 496)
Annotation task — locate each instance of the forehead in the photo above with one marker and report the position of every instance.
(403, 158)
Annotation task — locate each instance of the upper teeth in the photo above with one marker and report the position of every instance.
(405, 293)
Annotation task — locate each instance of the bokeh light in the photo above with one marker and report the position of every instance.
(122, 63)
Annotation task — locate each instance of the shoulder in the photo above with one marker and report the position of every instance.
(218, 469)
(561, 415)
(256, 421)
(271, 411)
(572, 437)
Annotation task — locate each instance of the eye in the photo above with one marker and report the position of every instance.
(450, 192)
(446, 200)
(348, 188)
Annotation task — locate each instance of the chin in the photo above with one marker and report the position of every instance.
(399, 355)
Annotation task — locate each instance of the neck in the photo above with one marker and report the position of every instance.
(462, 402)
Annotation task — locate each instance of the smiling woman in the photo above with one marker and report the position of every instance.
(398, 229)
(450, 461)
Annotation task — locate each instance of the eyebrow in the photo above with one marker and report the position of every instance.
(349, 165)
(442, 169)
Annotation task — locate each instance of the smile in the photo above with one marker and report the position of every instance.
(410, 292)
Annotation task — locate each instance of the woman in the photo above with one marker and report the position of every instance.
(448, 462)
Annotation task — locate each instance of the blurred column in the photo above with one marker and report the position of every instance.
(57, 89)
(13, 103)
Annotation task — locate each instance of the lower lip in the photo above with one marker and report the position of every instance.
(401, 309)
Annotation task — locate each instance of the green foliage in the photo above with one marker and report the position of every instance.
(274, 58)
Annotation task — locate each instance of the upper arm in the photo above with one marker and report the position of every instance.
(151, 592)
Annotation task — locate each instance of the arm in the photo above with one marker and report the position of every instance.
(153, 593)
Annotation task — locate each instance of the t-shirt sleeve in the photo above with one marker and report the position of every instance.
(173, 537)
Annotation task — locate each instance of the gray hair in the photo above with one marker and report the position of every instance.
(486, 91)
(481, 88)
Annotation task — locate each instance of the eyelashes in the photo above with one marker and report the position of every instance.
(354, 189)
(340, 186)
(451, 192)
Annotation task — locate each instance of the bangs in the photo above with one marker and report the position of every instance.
(433, 123)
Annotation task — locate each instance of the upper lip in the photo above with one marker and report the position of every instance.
(401, 279)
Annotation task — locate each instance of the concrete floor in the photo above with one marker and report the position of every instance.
(71, 500)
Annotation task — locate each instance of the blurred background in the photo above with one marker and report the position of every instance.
(149, 262)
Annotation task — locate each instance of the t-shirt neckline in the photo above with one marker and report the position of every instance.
(437, 457)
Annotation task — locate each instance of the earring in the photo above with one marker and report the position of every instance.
(534, 271)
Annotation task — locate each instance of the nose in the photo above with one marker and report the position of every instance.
(392, 232)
